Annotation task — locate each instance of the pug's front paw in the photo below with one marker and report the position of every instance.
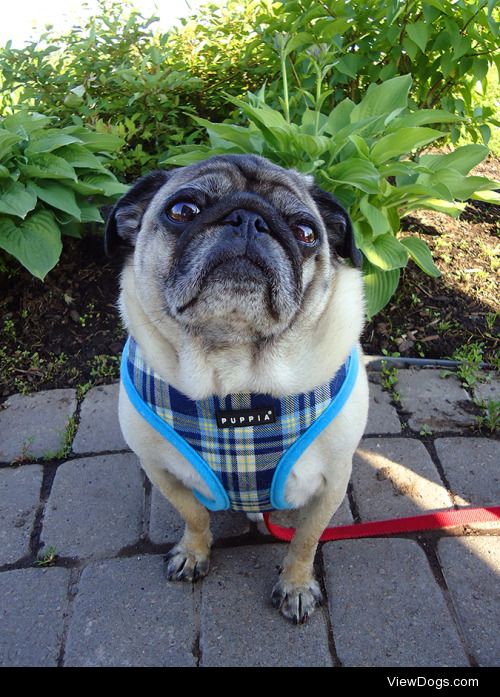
(296, 602)
(183, 565)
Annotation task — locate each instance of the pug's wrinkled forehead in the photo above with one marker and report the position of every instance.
(219, 176)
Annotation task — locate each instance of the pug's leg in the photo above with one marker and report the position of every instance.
(297, 592)
(189, 559)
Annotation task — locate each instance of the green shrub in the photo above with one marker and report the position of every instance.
(362, 153)
(52, 181)
(106, 73)
(447, 46)
(116, 72)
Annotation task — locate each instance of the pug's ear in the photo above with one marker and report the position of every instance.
(125, 218)
(338, 226)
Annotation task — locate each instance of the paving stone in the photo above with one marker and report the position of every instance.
(99, 428)
(382, 416)
(166, 525)
(488, 390)
(95, 506)
(33, 604)
(127, 614)
(395, 477)
(471, 566)
(472, 467)
(34, 425)
(386, 607)
(19, 497)
(440, 403)
(238, 625)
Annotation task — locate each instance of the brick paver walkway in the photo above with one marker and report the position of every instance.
(416, 600)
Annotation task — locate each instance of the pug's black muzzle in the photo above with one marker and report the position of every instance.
(248, 230)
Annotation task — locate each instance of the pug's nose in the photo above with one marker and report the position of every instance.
(245, 222)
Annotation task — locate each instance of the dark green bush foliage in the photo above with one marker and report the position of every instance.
(115, 71)
(352, 88)
(446, 46)
(118, 71)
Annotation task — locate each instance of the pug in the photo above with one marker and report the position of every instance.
(244, 323)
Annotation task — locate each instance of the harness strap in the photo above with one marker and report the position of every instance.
(290, 457)
(428, 521)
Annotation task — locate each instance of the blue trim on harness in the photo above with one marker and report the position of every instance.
(293, 453)
(221, 499)
(285, 464)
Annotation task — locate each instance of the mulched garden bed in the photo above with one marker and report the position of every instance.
(66, 332)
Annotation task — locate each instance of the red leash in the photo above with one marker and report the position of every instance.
(427, 521)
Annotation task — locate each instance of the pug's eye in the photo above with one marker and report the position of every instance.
(183, 211)
(304, 233)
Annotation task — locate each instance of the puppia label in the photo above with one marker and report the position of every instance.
(233, 418)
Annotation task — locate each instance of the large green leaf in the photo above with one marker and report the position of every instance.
(375, 216)
(50, 140)
(97, 142)
(402, 142)
(7, 140)
(340, 116)
(101, 183)
(421, 255)
(297, 41)
(90, 213)
(403, 169)
(72, 229)
(386, 252)
(16, 200)
(402, 195)
(234, 134)
(422, 118)
(36, 242)
(275, 130)
(349, 64)
(460, 187)
(453, 208)
(462, 159)
(80, 157)
(419, 34)
(384, 98)
(487, 196)
(313, 146)
(379, 287)
(56, 195)
(355, 172)
(48, 166)
(25, 123)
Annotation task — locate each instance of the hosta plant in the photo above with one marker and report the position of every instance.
(366, 154)
(52, 181)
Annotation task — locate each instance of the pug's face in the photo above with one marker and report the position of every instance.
(232, 248)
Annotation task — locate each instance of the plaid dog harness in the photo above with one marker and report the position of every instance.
(243, 445)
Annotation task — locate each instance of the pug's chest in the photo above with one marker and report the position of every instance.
(249, 489)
